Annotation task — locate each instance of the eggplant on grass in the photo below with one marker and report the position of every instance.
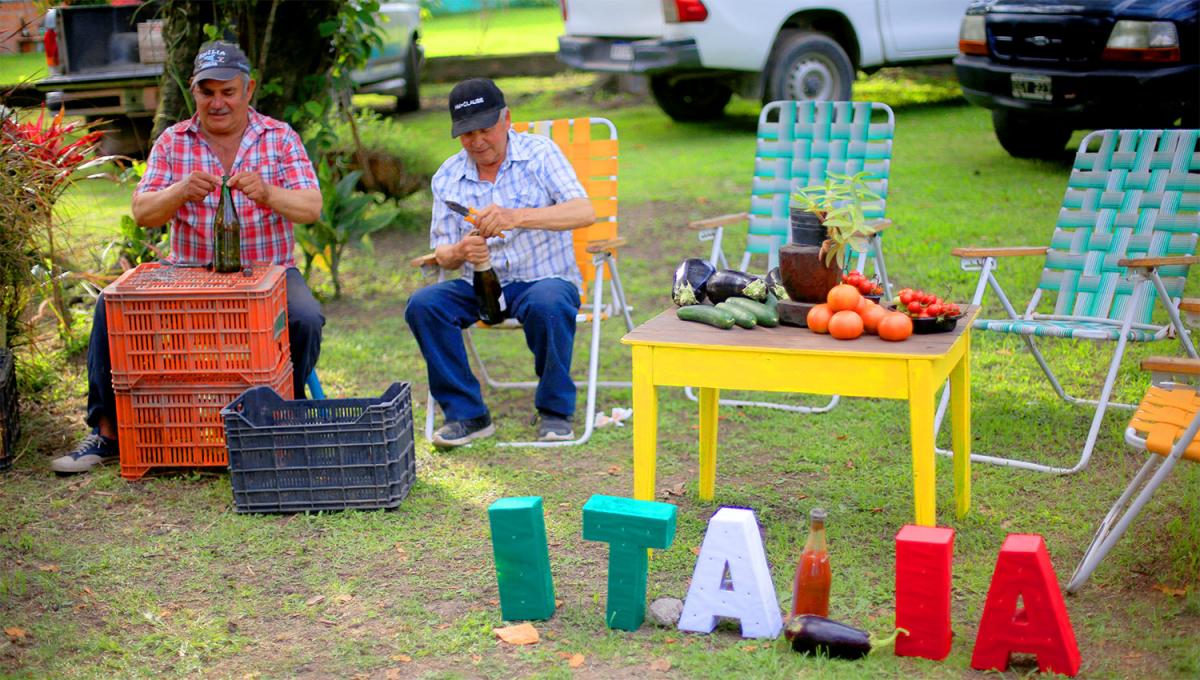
(727, 283)
(690, 279)
(813, 634)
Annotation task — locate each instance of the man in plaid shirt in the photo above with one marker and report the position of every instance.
(529, 200)
(273, 185)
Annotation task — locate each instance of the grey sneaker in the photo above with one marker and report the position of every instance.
(92, 451)
(458, 432)
(554, 428)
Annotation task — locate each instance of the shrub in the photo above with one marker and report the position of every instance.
(399, 162)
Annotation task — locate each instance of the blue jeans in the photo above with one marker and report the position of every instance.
(305, 322)
(546, 308)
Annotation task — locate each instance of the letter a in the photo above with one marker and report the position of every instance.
(732, 579)
(1041, 627)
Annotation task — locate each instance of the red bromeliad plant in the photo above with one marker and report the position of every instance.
(41, 157)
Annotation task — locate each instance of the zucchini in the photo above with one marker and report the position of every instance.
(741, 316)
(726, 283)
(712, 316)
(764, 314)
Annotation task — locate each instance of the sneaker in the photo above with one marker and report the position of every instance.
(554, 428)
(92, 451)
(458, 432)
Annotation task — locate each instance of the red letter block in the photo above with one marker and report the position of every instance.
(923, 563)
(1041, 627)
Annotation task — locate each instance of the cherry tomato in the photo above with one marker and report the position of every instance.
(914, 307)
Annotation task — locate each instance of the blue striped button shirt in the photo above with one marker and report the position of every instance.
(534, 174)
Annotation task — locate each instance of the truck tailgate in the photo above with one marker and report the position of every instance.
(614, 18)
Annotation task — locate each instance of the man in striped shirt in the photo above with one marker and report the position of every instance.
(527, 200)
(273, 185)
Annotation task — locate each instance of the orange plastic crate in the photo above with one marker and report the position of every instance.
(166, 422)
(165, 320)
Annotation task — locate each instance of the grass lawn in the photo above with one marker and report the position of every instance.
(160, 578)
(19, 68)
(512, 31)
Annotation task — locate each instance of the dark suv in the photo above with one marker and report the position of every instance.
(1048, 67)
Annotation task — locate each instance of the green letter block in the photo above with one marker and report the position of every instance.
(522, 558)
(629, 527)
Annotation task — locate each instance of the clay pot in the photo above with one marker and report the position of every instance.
(805, 275)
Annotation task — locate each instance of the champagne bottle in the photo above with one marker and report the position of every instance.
(488, 294)
(227, 234)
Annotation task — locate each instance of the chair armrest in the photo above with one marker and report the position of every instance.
(1176, 365)
(426, 260)
(1151, 262)
(999, 252)
(1191, 305)
(594, 247)
(719, 221)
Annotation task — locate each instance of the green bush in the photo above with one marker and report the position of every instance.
(399, 161)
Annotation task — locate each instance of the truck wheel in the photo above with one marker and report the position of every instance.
(1026, 136)
(411, 101)
(809, 66)
(690, 99)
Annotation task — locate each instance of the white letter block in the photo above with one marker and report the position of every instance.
(732, 579)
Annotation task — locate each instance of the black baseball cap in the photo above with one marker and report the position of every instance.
(474, 104)
(220, 60)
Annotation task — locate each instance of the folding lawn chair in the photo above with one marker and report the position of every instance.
(799, 143)
(590, 144)
(1165, 427)
(1124, 239)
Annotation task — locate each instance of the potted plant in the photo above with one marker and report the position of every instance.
(810, 265)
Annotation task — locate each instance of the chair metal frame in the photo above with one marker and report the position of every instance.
(798, 143)
(1154, 239)
(1147, 480)
(595, 244)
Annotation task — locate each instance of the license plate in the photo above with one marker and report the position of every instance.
(621, 52)
(1031, 86)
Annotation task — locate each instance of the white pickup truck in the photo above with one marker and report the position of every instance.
(698, 53)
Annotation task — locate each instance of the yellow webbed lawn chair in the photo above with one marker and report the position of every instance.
(1165, 427)
(1125, 237)
(591, 146)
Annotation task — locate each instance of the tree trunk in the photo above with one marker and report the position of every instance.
(294, 64)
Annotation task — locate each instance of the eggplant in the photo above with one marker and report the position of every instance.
(812, 634)
(727, 283)
(775, 285)
(690, 278)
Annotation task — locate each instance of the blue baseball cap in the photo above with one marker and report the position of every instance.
(220, 60)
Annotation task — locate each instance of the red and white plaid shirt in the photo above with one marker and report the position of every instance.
(269, 147)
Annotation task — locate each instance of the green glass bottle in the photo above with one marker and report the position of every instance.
(227, 234)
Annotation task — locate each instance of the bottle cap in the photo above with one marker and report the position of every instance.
(817, 514)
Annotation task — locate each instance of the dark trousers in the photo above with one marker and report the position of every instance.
(437, 315)
(304, 330)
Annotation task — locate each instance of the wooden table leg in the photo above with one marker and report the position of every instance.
(921, 411)
(960, 432)
(710, 400)
(645, 423)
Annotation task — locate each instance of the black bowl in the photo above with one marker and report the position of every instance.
(929, 325)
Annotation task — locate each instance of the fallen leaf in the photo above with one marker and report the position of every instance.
(401, 554)
(443, 626)
(670, 641)
(750, 648)
(343, 598)
(315, 599)
(662, 665)
(614, 469)
(801, 496)
(15, 634)
(48, 567)
(1168, 590)
(841, 437)
(576, 661)
(475, 658)
(89, 591)
(876, 509)
(696, 550)
(564, 655)
(557, 603)
(676, 490)
(402, 658)
(520, 634)
(849, 465)
(393, 674)
(493, 602)
(327, 622)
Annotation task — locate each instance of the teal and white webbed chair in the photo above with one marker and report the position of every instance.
(1125, 237)
(798, 144)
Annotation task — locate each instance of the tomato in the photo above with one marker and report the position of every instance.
(935, 309)
(906, 296)
(871, 317)
(894, 326)
(866, 287)
(818, 319)
(864, 304)
(928, 299)
(906, 290)
(914, 307)
(846, 325)
(843, 297)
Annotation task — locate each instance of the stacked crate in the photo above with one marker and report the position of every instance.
(184, 342)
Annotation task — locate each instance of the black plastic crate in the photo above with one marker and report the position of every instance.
(10, 422)
(308, 455)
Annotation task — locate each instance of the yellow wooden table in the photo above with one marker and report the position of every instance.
(670, 352)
